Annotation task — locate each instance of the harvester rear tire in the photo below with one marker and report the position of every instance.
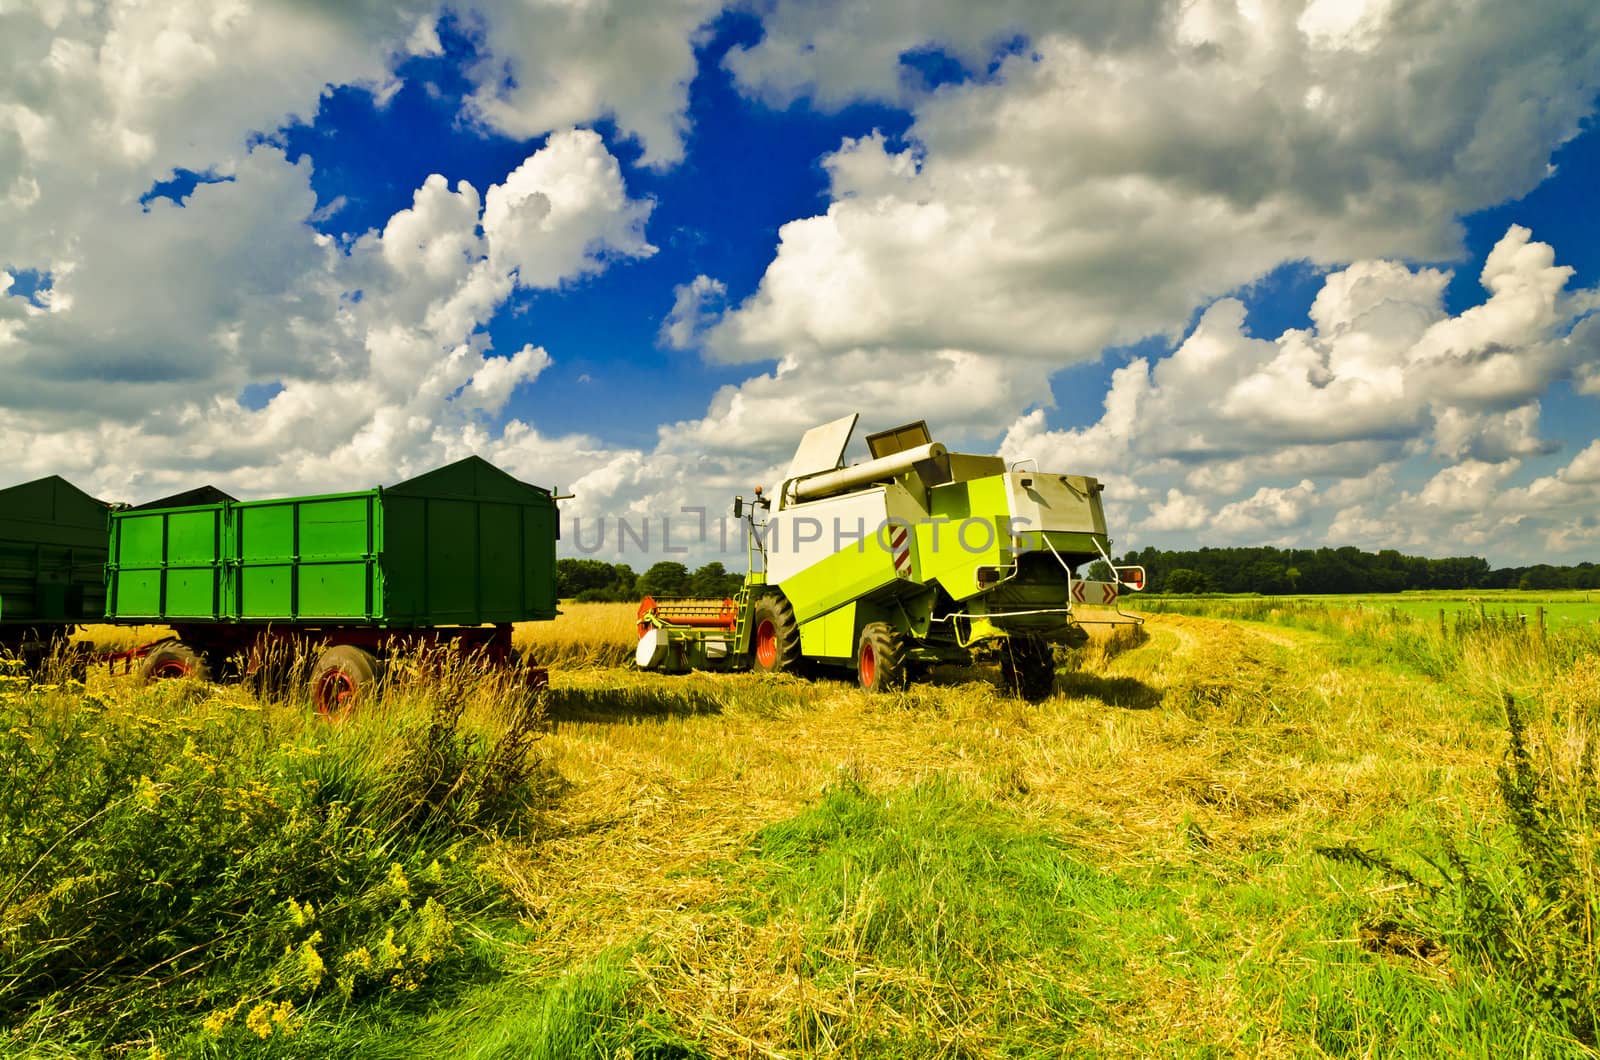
(881, 658)
(775, 636)
(1029, 668)
(344, 676)
(173, 659)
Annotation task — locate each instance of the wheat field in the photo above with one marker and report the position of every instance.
(1200, 844)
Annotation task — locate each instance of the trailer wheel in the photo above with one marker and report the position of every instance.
(775, 636)
(1029, 668)
(172, 659)
(881, 658)
(343, 677)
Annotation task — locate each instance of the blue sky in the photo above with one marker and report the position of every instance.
(1225, 256)
(748, 169)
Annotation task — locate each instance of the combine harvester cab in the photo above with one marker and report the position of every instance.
(918, 556)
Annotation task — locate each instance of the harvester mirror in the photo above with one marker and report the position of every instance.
(1132, 577)
(738, 507)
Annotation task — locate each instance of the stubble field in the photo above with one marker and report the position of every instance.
(1278, 830)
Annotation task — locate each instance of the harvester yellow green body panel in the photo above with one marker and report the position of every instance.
(831, 635)
(952, 550)
(863, 541)
(998, 550)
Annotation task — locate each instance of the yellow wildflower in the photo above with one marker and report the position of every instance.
(301, 914)
(311, 961)
(260, 1019)
(218, 1021)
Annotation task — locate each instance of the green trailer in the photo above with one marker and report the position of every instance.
(52, 550)
(457, 554)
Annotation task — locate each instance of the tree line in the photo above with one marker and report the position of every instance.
(1272, 571)
(1265, 570)
(589, 580)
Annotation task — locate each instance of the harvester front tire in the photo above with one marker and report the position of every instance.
(344, 676)
(1029, 668)
(173, 659)
(775, 636)
(881, 658)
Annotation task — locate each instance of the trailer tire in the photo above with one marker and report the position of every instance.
(173, 659)
(1029, 668)
(774, 636)
(881, 658)
(344, 676)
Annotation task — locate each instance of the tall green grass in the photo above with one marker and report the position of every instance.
(938, 920)
(927, 922)
(1512, 898)
(1516, 899)
(596, 1011)
(1483, 651)
(190, 870)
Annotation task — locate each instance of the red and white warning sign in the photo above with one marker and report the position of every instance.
(900, 545)
(1094, 592)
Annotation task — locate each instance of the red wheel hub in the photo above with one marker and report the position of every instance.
(168, 669)
(869, 665)
(335, 691)
(767, 644)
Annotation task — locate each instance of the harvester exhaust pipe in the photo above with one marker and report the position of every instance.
(827, 483)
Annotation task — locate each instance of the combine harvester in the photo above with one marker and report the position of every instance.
(917, 557)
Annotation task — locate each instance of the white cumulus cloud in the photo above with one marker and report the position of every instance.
(372, 386)
(1125, 165)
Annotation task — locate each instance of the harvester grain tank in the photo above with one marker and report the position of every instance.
(915, 557)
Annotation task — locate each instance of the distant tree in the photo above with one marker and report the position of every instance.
(713, 582)
(1264, 576)
(574, 576)
(1184, 580)
(1343, 570)
(593, 580)
(1100, 571)
(665, 579)
(1543, 576)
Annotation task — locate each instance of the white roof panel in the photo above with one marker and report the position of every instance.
(822, 448)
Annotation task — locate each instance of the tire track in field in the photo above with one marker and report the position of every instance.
(1192, 632)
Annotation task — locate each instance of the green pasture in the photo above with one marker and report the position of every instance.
(1561, 607)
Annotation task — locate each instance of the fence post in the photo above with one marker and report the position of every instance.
(1539, 614)
(1442, 629)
